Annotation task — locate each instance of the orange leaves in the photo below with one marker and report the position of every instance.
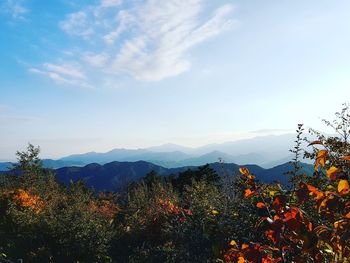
(260, 205)
(343, 187)
(332, 172)
(25, 199)
(321, 159)
(347, 215)
(248, 193)
(249, 180)
(346, 158)
(106, 209)
(314, 191)
(315, 142)
(169, 206)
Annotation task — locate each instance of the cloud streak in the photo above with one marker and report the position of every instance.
(63, 74)
(148, 40)
(165, 32)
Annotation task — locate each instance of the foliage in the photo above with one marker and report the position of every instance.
(194, 216)
(42, 221)
(309, 223)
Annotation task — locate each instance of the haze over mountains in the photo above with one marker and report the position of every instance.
(267, 157)
(265, 151)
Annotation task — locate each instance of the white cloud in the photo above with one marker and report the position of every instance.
(124, 21)
(63, 74)
(15, 8)
(96, 60)
(77, 24)
(148, 40)
(165, 32)
(67, 70)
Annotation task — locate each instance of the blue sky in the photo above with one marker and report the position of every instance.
(77, 76)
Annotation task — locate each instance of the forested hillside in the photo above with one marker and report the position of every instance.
(193, 215)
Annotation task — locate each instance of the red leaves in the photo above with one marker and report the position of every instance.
(168, 208)
(294, 219)
(279, 202)
(302, 193)
(252, 252)
(290, 231)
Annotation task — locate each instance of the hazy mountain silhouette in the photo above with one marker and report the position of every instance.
(265, 151)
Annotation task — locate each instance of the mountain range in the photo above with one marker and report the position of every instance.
(117, 175)
(265, 151)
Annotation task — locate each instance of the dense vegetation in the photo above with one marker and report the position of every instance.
(195, 216)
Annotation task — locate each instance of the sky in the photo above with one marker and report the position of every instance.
(79, 76)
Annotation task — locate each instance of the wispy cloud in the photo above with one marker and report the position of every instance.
(15, 8)
(77, 24)
(164, 33)
(63, 74)
(148, 40)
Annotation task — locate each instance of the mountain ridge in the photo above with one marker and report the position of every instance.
(266, 151)
(117, 175)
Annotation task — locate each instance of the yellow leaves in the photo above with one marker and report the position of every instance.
(332, 172)
(273, 193)
(343, 187)
(341, 224)
(321, 159)
(233, 243)
(244, 171)
(214, 212)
